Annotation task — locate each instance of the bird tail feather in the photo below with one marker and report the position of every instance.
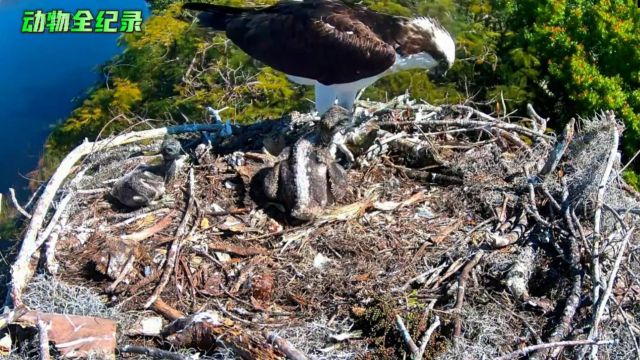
(215, 16)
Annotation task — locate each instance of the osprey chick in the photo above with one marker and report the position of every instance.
(338, 48)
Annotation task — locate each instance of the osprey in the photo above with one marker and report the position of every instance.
(338, 48)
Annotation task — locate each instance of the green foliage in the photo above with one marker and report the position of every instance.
(631, 178)
(590, 52)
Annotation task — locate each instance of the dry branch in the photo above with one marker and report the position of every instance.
(462, 283)
(16, 204)
(152, 352)
(237, 250)
(597, 221)
(602, 304)
(573, 299)
(537, 118)
(43, 338)
(147, 233)
(406, 337)
(170, 313)
(532, 348)
(426, 338)
(558, 150)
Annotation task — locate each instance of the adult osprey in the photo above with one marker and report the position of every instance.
(338, 48)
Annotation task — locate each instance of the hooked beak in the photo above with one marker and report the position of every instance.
(438, 72)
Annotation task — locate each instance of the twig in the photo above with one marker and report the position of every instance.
(595, 258)
(500, 124)
(629, 328)
(164, 309)
(54, 219)
(573, 299)
(172, 255)
(550, 197)
(153, 352)
(430, 177)
(593, 333)
(123, 273)
(529, 349)
(462, 282)
(513, 138)
(11, 315)
(21, 270)
(17, 205)
(537, 118)
(513, 236)
(33, 197)
(481, 224)
(130, 217)
(237, 250)
(408, 341)
(421, 278)
(426, 337)
(629, 162)
(147, 233)
(558, 150)
(470, 123)
(285, 347)
(43, 338)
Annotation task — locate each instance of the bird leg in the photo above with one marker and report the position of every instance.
(347, 98)
(325, 98)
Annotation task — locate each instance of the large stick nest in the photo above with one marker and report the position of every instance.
(484, 222)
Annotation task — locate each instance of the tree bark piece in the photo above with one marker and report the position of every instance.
(237, 250)
(76, 336)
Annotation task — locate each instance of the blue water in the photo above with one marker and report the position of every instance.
(43, 77)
